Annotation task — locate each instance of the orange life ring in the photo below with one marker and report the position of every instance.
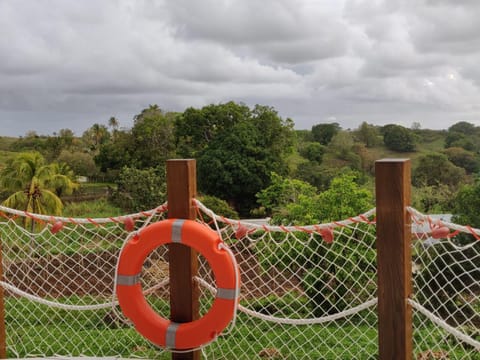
(161, 331)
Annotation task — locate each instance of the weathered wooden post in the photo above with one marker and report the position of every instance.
(392, 183)
(183, 261)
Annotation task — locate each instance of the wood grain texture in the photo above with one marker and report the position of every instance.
(392, 177)
(183, 260)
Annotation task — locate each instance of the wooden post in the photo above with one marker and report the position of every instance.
(3, 334)
(183, 261)
(392, 178)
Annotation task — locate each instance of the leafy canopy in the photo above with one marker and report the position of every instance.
(36, 186)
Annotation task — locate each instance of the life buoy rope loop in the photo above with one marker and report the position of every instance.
(160, 331)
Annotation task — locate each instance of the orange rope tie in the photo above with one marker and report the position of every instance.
(161, 209)
(27, 214)
(90, 220)
(455, 233)
(226, 221)
(33, 217)
(318, 229)
(473, 232)
(284, 229)
(301, 228)
(365, 219)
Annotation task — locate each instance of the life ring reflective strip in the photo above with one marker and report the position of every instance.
(148, 323)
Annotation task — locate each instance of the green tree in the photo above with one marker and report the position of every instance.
(113, 123)
(140, 189)
(467, 204)
(313, 173)
(34, 183)
(341, 147)
(62, 180)
(236, 163)
(95, 136)
(463, 134)
(153, 137)
(433, 199)
(398, 138)
(465, 159)
(116, 154)
(434, 169)
(30, 142)
(367, 134)
(80, 162)
(343, 199)
(462, 127)
(196, 128)
(312, 151)
(327, 285)
(280, 193)
(323, 133)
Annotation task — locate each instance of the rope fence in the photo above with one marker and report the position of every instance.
(307, 292)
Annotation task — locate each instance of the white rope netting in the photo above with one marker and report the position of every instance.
(446, 281)
(307, 292)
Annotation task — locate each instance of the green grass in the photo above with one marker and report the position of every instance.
(430, 144)
(37, 329)
(5, 156)
(6, 142)
(93, 209)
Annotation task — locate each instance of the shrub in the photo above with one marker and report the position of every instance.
(398, 138)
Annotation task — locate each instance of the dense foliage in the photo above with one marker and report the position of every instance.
(35, 186)
(398, 138)
(238, 147)
(140, 189)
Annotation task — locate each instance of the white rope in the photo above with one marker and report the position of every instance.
(311, 321)
(62, 306)
(444, 325)
(290, 321)
(54, 304)
(49, 218)
(362, 218)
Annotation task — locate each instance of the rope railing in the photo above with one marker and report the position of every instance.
(300, 293)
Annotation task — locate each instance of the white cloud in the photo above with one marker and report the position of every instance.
(70, 63)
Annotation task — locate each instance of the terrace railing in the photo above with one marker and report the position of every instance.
(390, 283)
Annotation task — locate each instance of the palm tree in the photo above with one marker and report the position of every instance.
(113, 123)
(34, 184)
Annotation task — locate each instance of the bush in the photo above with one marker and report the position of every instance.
(139, 190)
(218, 206)
(398, 138)
(81, 163)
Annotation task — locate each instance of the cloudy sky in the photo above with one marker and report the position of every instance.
(70, 63)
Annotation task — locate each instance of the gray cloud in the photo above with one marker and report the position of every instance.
(68, 64)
